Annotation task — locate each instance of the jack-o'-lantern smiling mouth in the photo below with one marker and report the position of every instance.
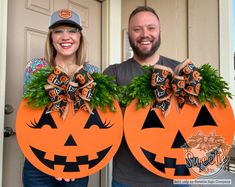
(180, 169)
(70, 166)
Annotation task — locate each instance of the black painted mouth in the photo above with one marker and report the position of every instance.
(70, 166)
(180, 170)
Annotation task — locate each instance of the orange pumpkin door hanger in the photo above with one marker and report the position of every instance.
(179, 145)
(77, 146)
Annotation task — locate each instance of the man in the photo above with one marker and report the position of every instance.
(145, 37)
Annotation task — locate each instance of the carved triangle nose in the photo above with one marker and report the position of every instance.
(70, 141)
(179, 141)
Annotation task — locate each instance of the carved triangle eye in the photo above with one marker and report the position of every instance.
(94, 119)
(152, 121)
(204, 118)
(45, 119)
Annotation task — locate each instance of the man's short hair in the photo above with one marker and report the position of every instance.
(143, 9)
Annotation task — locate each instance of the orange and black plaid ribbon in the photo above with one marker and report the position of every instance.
(183, 83)
(63, 90)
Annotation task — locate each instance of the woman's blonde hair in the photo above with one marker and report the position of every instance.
(50, 51)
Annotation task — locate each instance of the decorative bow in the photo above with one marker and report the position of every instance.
(63, 90)
(183, 83)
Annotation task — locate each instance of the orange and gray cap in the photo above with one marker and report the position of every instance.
(65, 17)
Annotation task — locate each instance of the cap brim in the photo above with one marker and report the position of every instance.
(65, 22)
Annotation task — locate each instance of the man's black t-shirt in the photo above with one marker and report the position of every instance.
(126, 169)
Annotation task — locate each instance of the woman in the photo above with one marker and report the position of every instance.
(64, 48)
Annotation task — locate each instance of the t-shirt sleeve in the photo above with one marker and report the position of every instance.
(110, 71)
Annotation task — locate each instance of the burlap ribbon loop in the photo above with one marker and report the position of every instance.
(183, 83)
(62, 89)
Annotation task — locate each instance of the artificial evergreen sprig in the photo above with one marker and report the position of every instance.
(212, 86)
(35, 93)
(104, 94)
(139, 88)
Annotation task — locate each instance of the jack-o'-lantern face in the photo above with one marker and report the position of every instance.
(81, 79)
(79, 146)
(157, 142)
(52, 93)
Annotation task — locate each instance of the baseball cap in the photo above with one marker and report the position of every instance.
(64, 16)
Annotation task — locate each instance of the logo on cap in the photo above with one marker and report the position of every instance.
(65, 14)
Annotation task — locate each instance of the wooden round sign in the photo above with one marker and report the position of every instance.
(183, 145)
(78, 146)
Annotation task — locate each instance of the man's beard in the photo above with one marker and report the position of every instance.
(142, 54)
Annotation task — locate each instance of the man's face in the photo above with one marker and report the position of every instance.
(144, 34)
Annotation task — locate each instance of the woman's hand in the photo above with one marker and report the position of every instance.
(66, 180)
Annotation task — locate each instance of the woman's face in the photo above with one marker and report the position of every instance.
(66, 40)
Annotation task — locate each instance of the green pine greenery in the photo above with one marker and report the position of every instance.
(213, 87)
(35, 93)
(104, 94)
(139, 88)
